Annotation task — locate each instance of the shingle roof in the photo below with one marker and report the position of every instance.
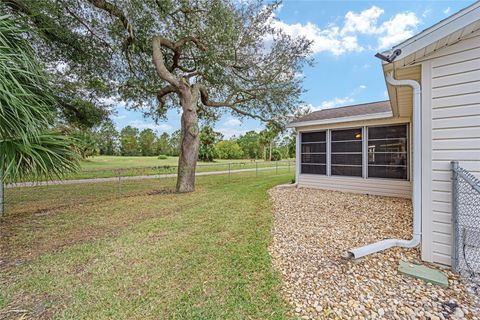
(347, 111)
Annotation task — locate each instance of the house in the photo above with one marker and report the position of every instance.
(403, 147)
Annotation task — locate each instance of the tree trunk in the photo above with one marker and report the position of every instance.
(187, 160)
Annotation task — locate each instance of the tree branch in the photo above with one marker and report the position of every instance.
(49, 27)
(164, 92)
(88, 28)
(116, 12)
(230, 103)
(159, 61)
(177, 48)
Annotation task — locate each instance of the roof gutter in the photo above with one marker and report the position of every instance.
(417, 174)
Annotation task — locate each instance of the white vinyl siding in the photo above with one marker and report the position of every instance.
(451, 131)
(381, 187)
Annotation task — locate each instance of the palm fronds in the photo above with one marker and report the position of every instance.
(27, 147)
(49, 156)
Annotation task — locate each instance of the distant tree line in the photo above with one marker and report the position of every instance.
(268, 144)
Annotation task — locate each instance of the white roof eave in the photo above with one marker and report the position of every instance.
(363, 117)
(414, 48)
(435, 33)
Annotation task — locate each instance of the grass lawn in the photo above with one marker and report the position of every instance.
(114, 166)
(116, 162)
(146, 253)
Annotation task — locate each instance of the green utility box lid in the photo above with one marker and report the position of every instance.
(422, 272)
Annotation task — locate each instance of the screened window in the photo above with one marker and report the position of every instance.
(314, 152)
(387, 152)
(346, 152)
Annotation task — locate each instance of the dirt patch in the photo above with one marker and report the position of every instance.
(26, 236)
(313, 228)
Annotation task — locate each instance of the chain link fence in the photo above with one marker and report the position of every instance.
(94, 186)
(466, 224)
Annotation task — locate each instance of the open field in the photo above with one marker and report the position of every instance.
(90, 252)
(115, 166)
(121, 162)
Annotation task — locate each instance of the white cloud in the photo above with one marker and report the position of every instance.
(230, 128)
(112, 100)
(339, 101)
(299, 75)
(447, 10)
(335, 102)
(148, 125)
(323, 40)
(232, 123)
(339, 40)
(426, 13)
(228, 133)
(402, 26)
(363, 22)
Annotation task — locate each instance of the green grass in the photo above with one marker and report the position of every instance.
(116, 162)
(114, 166)
(141, 251)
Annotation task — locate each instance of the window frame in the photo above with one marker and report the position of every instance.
(321, 153)
(407, 147)
(364, 141)
(361, 152)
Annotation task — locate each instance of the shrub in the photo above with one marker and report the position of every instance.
(228, 149)
(276, 155)
(162, 157)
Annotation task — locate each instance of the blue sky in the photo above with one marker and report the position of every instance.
(345, 35)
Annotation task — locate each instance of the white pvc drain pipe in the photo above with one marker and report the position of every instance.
(417, 175)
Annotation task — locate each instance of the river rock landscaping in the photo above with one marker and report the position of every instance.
(312, 230)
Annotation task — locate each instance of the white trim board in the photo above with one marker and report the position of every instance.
(363, 117)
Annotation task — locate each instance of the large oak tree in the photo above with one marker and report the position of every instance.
(204, 57)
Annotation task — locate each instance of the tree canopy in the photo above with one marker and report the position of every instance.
(205, 57)
(129, 141)
(146, 141)
(208, 138)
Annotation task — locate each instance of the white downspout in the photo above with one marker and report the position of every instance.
(417, 174)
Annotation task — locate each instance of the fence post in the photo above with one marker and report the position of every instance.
(2, 194)
(119, 186)
(288, 165)
(454, 166)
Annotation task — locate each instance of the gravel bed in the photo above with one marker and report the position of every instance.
(313, 228)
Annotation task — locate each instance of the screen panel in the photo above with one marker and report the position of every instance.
(314, 152)
(388, 152)
(346, 152)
